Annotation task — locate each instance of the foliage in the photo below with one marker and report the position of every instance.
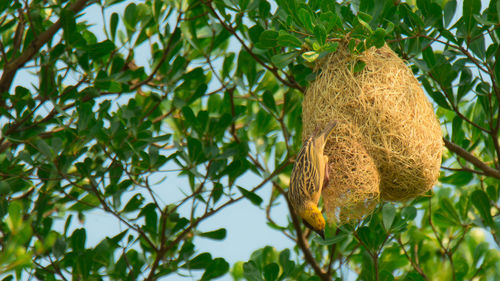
(218, 99)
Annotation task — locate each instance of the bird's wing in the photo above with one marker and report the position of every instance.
(305, 175)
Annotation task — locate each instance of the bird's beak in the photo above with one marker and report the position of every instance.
(321, 233)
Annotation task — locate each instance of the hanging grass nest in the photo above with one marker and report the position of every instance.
(387, 144)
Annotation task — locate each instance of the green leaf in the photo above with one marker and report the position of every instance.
(365, 25)
(483, 20)
(68, 24)
(449, 11)
(114, 24)
(90, 201)
(477, 46)
(379, 37)
(320, 34)
(497, 68)
(482, 203)
(268, 100)
(181, 223)
(201, 261)
(247, 66)
(251, 272)
(100, 49)
(216, 268)
(218, 234)
(264, 9)
(440, 99)
(254, 33)
(217, 192)
(457, 133)
(388, 215)
(448, 35)
(59, 247)
(78, 239)
(237, 270)
(228, 64)
(306, 19)
(252, 196)
(366, 236)
(330, 20)
(390, 28)
(44, 148)
(458, 178)
(492, 192)
(429, 58)
(130, 16)
(188, 114)
(470, 8)
(150, 218)
(4, 188)
(287, 40)
(409, 213)
(115, 172)
(282, 60)
(310, 56)
(329, 240)
(331, 46)
(271, 272)
(285, 262)
(134, 203)
(480, 251)
(15, 216)
(364, 17)
(450, 209)
(414, 276)
(117, 238)
(431, 12)
(268, 39)
(359, 66)
(195, 150)
(385, 275)
(466, 84)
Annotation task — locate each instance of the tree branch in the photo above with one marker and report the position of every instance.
(10, 69)
(488, 171)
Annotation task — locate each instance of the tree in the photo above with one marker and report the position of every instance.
(219, 98)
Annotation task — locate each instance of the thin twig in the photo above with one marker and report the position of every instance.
(412, 262)
(463, 169)
(445, 250)
(332, 255)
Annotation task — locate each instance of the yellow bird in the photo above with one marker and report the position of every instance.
(309, 175)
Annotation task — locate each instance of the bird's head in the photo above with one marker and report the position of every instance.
(313, 219)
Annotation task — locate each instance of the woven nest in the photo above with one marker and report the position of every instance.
(387, 144)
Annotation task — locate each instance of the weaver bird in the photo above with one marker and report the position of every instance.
(309, 175)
